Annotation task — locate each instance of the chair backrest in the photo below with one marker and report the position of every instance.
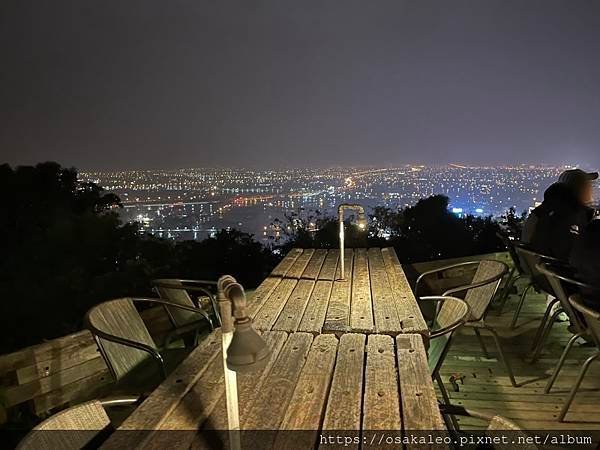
(562, 285)
(530, 260)
(479, 298)
(70, 429)
(591, 317)
(120, 318)
(498, 426)
(453, 311)
(178, 295)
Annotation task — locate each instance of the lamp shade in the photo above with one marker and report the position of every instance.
(247, 351)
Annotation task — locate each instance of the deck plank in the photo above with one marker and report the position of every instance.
(420, 410)
(409, 314)
(345, 397)
(269, 407)
(262, 293)
(300, 264)
(384, 308)
(287, 262)
(307, 406)
(330, 264)
(337, 318)
(268, 314)
(314, 265)
(292, 312)
(316, 310)
(361, 307)
(381, 408)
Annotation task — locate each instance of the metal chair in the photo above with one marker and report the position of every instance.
(529, 261)
(478, 295)
(178, 291)
(122, 336)
(591, 318)
(497, 424)
(73, 428)
(451, 314)
(560, 280)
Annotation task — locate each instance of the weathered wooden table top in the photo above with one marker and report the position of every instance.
(312, 383)
(305, 293)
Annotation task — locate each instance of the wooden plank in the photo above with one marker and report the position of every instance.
(345, 396)
(80, 390)
(166, 397)
(268, 314)
(384, 308)
(18, 394)
(292, 312)
(329, 267)
(300, 264)
(361, 308)
(314, 265)
(286, 263)
(262, 293)
(337, 319)
(249, 383)
(68, 357)
(268, 409)
(307, 406)
(43, 352)
(381, 407)
(408, 310)
(314, 314)
(420, 410)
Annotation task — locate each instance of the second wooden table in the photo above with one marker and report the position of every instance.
(305, 292)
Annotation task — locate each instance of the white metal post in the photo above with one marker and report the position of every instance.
(342, 271)
(231, 394)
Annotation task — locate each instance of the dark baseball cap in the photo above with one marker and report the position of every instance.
(577, 177)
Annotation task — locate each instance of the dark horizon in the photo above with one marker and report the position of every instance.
(273, 84)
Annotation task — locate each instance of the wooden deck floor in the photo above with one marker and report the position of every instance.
(486, 386)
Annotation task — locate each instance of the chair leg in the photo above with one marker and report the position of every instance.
(503, 356)
(575, 387)
(483, 347)
(520, 305)
(544, 336)
(561, 361)
(446, 399)
(543, 324)
(506, 292)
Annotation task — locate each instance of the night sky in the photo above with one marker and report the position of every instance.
(149, 84)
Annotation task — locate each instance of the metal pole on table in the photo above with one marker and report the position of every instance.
(243, 348)
(231, 394)
(362, 224)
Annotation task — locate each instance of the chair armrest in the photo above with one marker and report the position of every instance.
(186, 285)
(441, 269)
(454, 325)
(120, 401)
(176, 305)
(128, 343)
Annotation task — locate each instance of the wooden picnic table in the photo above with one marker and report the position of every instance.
(305, 293)
(312, 383)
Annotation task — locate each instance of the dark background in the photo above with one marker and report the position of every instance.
(161, 84)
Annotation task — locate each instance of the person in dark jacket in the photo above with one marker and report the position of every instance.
(585, 260)
(552, 228)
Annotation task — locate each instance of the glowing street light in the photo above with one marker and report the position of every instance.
(362, 224)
